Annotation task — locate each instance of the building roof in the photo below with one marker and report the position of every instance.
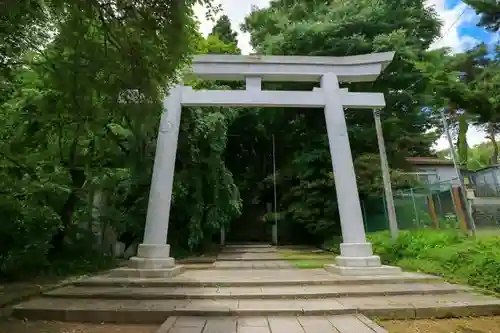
(495, 166)
(421, 160)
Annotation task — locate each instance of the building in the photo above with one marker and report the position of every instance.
(433, 170)
(486, 181)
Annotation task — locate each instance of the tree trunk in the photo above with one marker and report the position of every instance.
(492, 137)
(78, 180)
(462, 146)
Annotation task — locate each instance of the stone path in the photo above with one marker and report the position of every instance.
(261, 257)
(316, 324)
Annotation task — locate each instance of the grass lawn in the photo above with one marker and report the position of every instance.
(307, 258)
(21, 326)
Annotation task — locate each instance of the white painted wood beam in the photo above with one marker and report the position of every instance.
(358, 68)
(285, 73)
(254, 83)
(251, 98)
(254, 98)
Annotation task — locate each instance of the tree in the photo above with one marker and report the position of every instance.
(92, 139)
(223, 30)
(464, 85)
(489, 11)
(340, 28)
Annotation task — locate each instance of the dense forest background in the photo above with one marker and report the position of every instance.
(81, 90)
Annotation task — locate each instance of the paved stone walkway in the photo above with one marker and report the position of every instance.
(266, 264)
(312, 324)
(264, 257)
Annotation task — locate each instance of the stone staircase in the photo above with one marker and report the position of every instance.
(227, 292)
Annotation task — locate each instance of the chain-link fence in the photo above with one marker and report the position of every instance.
(438, 206)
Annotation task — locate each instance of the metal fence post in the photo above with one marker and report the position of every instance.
(365, 217)
(415, 207)
(457, 215)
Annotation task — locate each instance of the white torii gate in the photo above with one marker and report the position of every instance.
(153, 255)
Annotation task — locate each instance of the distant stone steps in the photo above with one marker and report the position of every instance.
(249, 250)
(248, 246)
(249, 256)
(156, 311)
(277, 292)
(266, 264)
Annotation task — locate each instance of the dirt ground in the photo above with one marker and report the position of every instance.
(462, 325)
(19, 326)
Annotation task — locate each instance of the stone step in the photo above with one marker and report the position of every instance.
(248, 246)
(266, 264)
(250, 257)
(290, 324)
(255, 277)
(156, 311)
(292, 292)
(250, 251)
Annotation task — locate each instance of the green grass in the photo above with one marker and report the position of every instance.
(312, 263)
(307, 258)
(457, 258)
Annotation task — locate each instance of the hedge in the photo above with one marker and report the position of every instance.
(450, 254)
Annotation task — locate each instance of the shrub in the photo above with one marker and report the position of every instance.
(446, 253)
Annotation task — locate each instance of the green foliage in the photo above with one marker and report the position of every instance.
(466, 86)
(80, 117)
(222, 29)
(339, 28)
(454, 256)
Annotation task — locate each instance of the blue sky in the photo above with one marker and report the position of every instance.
(460, 31)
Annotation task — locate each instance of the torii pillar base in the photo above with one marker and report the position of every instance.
(152, 261)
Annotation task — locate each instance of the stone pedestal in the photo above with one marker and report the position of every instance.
(152, 261)
(358, 259)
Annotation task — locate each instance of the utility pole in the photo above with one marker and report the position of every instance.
(275, 196)
(391, 212)
(460, 177)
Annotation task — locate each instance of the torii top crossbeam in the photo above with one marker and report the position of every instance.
(257, 69)
(359, 68)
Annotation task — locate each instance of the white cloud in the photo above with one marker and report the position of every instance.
(475, 136)
(495, 40)
(452, 19)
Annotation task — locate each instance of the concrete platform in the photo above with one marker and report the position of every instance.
(256, 277)
(155, 311)
(278, 292)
